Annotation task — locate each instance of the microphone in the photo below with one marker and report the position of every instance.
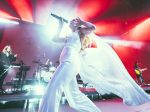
(60, 18)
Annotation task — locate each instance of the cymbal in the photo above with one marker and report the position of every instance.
(43, 65)
(34, 61)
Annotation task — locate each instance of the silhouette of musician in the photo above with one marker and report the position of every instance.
(6, 59)
(138, 72)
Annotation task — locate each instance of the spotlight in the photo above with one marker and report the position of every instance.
(39, 89)
(6, 21)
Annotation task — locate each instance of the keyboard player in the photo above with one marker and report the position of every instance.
(6, 59)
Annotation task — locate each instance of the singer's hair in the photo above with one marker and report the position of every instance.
(5, 49)
(85, 41)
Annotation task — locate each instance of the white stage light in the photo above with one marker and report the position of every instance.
(133, 44)
(116, 41)
(6, 21)
(65, 31)
(39, 89)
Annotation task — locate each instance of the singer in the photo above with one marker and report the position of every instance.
(64, 79)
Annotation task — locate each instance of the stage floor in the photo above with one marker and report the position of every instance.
(111, 105)
(27, 102)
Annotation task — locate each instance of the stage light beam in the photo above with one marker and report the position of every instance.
(6, 21)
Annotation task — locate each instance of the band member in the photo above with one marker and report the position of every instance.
(138, 72)
(6, 59)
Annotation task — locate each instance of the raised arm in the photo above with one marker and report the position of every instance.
(86, 27)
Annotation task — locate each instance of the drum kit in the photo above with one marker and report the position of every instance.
(45, 71)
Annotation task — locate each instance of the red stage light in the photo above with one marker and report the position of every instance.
(140, 32)
(23, 9)
(7, 16)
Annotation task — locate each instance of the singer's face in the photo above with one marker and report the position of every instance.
(73, 25)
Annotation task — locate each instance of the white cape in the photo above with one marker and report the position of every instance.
(102, 68)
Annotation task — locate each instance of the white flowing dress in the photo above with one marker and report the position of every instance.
(64, 80)
(102, 68)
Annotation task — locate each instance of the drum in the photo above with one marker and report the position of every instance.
(52, 69)
(46, 75)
